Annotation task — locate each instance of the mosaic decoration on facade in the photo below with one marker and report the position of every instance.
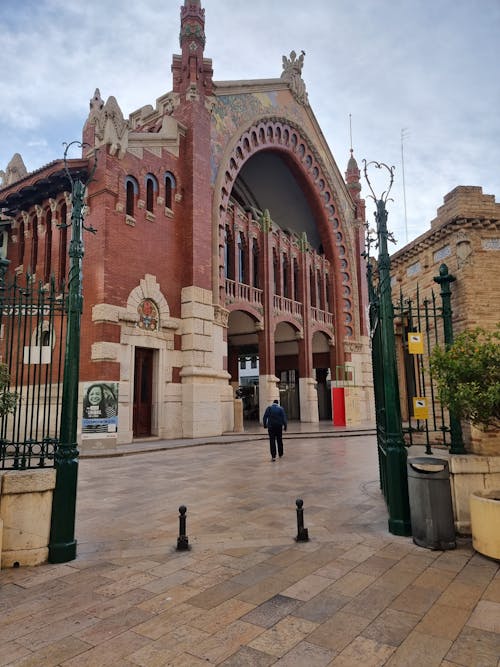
(148, 315)
(231, 111)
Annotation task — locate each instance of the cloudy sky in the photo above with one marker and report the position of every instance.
(425, 67)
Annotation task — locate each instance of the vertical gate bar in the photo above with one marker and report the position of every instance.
(444, 279)
(429, 351)
(37, 371)
(397, 481)
(436, 310)
(46, 404)
(416, 375)
(9, 348)
(376, 369)
(60, 356)
(420, 368)
(425, 366)
(404, 336)
(26, 367)
(14, 362)
(41, 405)
(4, 332)
(23, 412)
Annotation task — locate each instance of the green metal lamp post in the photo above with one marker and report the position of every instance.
(396, 455)
(62, 545)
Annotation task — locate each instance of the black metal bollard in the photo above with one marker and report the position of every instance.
(302, 533)
(182, 540)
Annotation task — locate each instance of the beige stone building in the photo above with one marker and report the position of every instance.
(465, 235)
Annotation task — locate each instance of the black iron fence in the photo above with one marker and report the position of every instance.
(32, 344)
(419, 327)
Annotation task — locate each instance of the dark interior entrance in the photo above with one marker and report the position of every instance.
(289, 394)
(143, 391)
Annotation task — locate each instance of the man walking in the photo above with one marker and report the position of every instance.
(275, 421)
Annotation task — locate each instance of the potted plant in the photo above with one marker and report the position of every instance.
(468, 377)
(468, 381)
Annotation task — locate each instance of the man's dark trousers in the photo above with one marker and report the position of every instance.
(276, 435)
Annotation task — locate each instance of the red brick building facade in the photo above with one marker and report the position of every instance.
(224, 230)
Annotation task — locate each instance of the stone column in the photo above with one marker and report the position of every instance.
(205, 390)
(308, 395)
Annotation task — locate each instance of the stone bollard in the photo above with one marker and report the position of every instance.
(182, 540)
(302, 533)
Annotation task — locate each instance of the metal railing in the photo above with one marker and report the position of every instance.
(32, 337)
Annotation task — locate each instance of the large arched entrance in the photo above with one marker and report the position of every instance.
(243, 360)
(284, 255)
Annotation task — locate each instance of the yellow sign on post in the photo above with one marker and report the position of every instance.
(415, 343)
(420, 408)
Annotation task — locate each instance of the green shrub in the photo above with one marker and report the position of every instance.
(8, 399)
(468, 376)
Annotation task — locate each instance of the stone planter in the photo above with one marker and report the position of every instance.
(485, 522)
(25, 508)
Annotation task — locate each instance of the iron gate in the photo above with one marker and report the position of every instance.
(32, 344)
(420, 325)
(413, 326)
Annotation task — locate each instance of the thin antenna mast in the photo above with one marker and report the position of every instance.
(403, 136)
(350, 129)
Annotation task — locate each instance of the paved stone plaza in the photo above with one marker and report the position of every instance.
(246, 594)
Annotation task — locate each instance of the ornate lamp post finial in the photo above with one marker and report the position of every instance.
(392, 451)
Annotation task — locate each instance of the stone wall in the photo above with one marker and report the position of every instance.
(465, 236)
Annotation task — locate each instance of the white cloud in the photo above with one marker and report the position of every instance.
(420, 65)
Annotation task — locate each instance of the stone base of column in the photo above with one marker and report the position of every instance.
(308, 394)
(238, 416)
(268, 392)
(207, 403)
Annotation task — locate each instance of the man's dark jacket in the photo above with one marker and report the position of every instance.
(274, 417)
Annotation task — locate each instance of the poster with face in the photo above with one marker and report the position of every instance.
(100, 409)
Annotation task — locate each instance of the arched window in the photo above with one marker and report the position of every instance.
(228, 255)
(132, 192)
(34, 245)
(241, 259)
(255, 260)
(319, 283)
(169, 189)
(284, 269)
(276, 270)
(20, 257)
(63, 243)
(151, 189)
(48, 246)
(312, 283)
(295, 279)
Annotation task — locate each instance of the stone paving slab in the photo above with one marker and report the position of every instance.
(246, 593)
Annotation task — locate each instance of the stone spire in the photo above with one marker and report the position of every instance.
(14, 171)
(353, 177)
(192, 72)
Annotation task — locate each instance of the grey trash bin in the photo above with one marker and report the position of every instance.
(431, 509)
